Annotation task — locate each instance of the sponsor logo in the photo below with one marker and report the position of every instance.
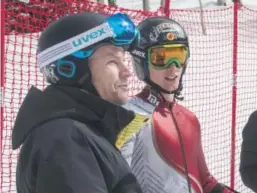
(153, 99)
(164, 28)
(170, 36)
(138, 53)
(88, 37)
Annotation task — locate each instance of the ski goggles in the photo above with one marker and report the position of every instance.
(164, 56)
(118, 28)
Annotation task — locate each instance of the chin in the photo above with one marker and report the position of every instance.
(171, 88)
(122, 99)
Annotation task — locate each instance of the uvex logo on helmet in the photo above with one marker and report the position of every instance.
(88, 37)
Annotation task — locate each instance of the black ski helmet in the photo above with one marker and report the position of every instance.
(155, 31)
(70, 70)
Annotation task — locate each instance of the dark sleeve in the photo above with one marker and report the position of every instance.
(68, 164)
(248, 162)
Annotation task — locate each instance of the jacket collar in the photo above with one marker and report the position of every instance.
(154, 98)
(55, 102)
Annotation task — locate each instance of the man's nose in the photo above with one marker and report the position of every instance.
(125, 72)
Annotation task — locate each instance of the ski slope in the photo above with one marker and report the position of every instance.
(181, 4)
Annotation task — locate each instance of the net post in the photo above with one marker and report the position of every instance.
(234, 92)
(146, 5)
(167, 8)
(2, 84)
(104, 2)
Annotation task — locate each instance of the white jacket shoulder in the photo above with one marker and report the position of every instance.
(138, 105)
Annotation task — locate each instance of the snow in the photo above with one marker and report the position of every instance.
(177, 4)
(182, 4)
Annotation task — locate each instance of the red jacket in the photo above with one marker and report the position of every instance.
(177, 140)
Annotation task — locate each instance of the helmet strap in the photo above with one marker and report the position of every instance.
(85, 82)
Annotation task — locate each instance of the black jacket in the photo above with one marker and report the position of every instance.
(248, 165)
(67, 138)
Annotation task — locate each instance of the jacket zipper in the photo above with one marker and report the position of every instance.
(182, 147)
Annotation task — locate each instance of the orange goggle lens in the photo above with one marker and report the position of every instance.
(163, 57)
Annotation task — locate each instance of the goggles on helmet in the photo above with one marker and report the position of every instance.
(164, 56)
(119, 28)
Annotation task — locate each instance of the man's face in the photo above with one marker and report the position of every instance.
(168, 79)
(110, 74)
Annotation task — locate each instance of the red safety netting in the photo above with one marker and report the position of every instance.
(246, 79)
(23, 23)
(207, 85)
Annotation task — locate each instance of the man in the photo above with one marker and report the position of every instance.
(166, 155)
(248, 164)
(68, 131)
